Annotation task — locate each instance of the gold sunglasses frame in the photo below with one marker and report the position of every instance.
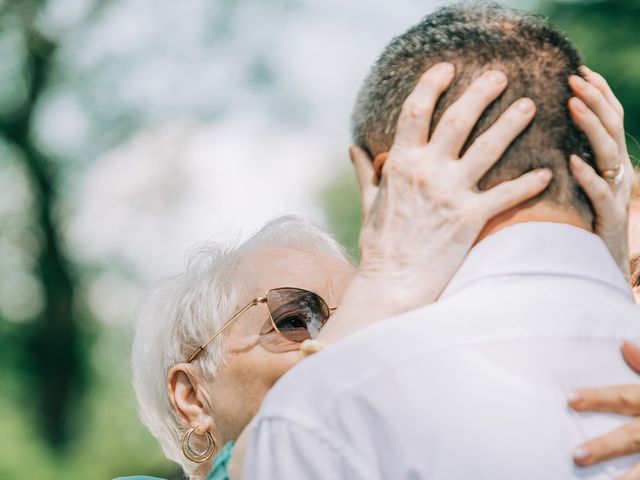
(253, 303)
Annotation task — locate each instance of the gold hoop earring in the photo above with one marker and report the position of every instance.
(193, 455)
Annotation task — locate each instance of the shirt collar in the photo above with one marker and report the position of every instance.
(539, 248)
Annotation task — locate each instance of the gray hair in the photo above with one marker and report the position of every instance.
(185, 310)
(536, 57)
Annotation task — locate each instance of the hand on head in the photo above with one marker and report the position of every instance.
(597, 111)
(428, 186)
(421, 218)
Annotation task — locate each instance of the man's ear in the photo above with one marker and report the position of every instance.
(187, 398)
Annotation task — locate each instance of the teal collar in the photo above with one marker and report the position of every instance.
(221, 460)
(218, 470)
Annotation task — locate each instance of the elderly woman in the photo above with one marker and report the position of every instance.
(212, 341)
(256, 344)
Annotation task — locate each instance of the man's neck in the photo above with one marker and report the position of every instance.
(539, 212)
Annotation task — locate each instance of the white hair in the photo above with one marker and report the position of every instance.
(185, 310)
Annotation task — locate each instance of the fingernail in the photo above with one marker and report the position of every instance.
(580, 453)
(578, 80)
(577, 84)
(544, 174)
(573, 396)
(497, 77)
(446, 67)
(525, 105)
(586, 69)
(578, 104)
(576, 162)
(441, 68)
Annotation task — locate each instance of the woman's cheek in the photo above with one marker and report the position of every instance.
(285, 363)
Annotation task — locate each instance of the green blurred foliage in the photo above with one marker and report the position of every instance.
(606, 33)
(108, 440)
(51, 342)
(341, 201)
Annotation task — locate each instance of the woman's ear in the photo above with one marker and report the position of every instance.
(187, 399)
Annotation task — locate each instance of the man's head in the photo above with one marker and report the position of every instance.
(537, 58)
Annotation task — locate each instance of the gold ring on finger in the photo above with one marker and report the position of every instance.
(615, 174)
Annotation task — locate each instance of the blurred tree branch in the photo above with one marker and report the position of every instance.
(53, 341)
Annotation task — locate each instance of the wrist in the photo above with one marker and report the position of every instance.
(367, 300)
(388, 293)
(408, 285)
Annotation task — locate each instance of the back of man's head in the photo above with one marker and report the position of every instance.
(536, 57)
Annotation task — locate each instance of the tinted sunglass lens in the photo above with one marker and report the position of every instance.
(297, 314)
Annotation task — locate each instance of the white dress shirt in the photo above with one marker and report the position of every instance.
(471, 387)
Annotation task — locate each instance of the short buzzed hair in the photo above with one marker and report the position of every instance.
(536, 57)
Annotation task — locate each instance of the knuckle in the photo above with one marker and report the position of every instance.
(453, 121)
(587, 94)
(392, 168)
(599, 81)
(627, 398)
(610, 149)
(509, 189)
(486, 147)
(419, 178)
(617, 123)
(402, 164)
(414, 107)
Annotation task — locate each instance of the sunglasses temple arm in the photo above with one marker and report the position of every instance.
(253, 303)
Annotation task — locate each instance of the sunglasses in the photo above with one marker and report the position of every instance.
(294, 313)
